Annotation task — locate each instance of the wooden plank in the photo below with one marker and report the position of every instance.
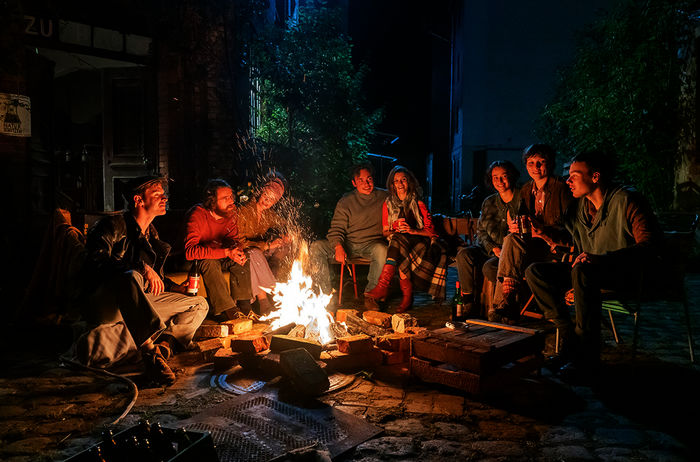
(461, 380)
(501, 326)
(463, 358)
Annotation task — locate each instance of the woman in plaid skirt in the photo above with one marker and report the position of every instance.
(414, 247)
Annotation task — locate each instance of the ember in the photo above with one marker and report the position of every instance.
(296, 303)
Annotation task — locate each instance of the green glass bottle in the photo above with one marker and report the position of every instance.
(458, 314)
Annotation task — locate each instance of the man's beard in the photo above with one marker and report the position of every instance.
(226, 213)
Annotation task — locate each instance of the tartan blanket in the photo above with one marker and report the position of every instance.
(424, 260)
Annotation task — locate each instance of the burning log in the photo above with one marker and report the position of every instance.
(298, 331)
(280, 330)
(280, 343)
(338, 330)
(359, 326)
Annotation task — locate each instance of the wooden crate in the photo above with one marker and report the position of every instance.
(471, 359)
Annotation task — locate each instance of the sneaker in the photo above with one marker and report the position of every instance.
(157, 368)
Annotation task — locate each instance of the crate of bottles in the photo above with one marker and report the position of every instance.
(150, 442)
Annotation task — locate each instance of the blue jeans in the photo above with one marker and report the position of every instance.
(321, 252)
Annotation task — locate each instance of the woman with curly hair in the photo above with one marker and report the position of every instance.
(414, 247)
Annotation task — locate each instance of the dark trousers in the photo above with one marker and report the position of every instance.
(473, 266)
(221, 297)
(550, 281)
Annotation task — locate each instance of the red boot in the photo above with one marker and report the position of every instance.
(407, 291)
(382, 288)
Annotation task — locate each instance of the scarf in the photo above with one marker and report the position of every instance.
(410, 209)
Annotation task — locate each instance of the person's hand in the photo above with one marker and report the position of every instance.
(512, 224)
(181, 288)
(276, 244)
(340, 254)
(585, 257)
(237, 255)
(497, 251)
(153, 281)
(402, 226)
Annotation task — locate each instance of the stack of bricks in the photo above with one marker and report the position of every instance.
(361, 351)
(224, 344)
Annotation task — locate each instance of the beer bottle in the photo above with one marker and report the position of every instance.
(193, 279)
(458, 314)
(523, 220)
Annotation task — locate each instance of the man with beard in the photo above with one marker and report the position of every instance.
(212, 238)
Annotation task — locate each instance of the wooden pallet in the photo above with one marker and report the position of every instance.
(473, 358)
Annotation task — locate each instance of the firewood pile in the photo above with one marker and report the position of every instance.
(362, 341)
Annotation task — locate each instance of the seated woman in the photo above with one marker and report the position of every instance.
(258, 228)
(413, 244)
(481, 260)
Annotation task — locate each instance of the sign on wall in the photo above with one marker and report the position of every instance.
(15, 115)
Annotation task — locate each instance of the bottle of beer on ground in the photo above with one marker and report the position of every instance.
(193, 279)
(458, 314)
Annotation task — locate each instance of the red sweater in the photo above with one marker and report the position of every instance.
(207, 238)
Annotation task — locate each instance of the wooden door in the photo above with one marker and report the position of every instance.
(129, 132)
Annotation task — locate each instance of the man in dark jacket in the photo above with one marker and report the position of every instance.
(615, 235)
(129, 300)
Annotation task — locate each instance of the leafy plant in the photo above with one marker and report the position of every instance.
(312, 117)
(621, 94)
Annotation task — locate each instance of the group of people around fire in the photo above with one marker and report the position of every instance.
(587, 233)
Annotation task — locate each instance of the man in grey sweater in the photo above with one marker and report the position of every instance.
(356, 231)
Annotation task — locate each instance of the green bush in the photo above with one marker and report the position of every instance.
(621, 94)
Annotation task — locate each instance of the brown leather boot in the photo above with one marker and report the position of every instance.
(407, 291)
(382, 288)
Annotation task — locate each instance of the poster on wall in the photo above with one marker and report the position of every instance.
(15, 115)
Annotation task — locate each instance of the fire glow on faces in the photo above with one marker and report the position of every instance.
(500, 180)
(536, 166)
(581, 181)
(154, 200)
(225, 202)
(363, 182)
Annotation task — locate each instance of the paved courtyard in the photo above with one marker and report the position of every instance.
(640, 411)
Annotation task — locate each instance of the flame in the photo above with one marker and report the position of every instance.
(297, 303)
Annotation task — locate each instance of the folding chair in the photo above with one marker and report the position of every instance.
(350, 264)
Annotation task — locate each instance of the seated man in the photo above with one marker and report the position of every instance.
(356, 231)
(543, 200)
(129, 299)
(615, 235)
(481, 260)
(212, 238)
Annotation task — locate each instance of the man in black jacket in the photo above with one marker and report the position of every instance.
(129, 299)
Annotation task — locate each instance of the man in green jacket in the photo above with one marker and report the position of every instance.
(615, 235)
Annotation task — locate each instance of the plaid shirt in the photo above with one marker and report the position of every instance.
(492, 226)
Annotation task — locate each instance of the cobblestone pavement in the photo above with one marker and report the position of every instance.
(641, 410)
